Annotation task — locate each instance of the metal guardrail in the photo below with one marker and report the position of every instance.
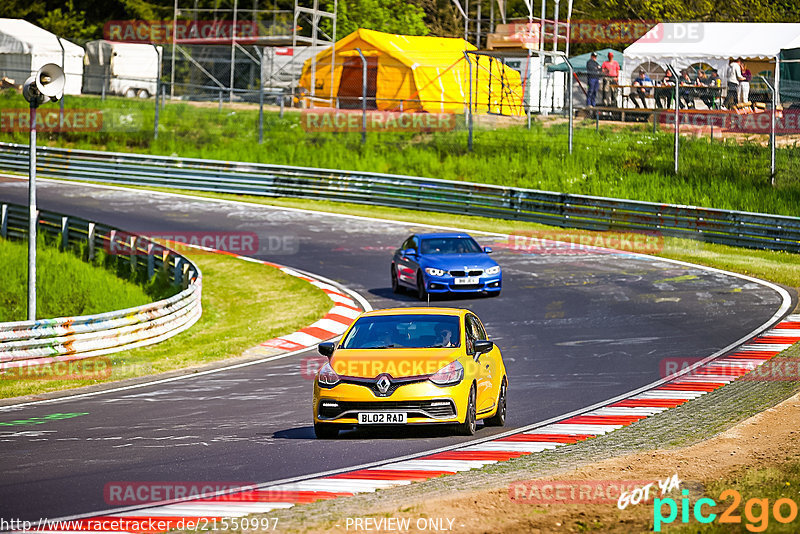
(728, 227)
(27, 343)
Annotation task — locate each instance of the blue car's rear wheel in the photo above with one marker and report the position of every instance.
(395, 283)
(422, 292)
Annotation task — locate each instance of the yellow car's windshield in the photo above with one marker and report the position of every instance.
(403, 331)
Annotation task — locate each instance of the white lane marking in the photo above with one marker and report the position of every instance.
(301, 338)
(714, 379)
(670, 394)
(345, 312)
(330, 325)
(783, 332)
(771, 347)
(512, 446)
(577, 428)
(332, 484)
(437, 465)
(625, 410)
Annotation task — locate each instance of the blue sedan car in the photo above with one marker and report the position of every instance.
(445, 263)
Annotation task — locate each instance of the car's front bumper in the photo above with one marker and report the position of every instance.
(446, 284)
(423, 402)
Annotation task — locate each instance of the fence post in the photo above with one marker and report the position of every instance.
(260, 114)
(220, 100)
(4, 221)
(772, 129)
(469, 115)
(155, 122)
(363, 96)
(571, 110)
(64, 232)
(677, 115)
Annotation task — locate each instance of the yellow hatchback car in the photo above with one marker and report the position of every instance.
(408, 366)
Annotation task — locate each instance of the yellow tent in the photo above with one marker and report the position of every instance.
(410, 73)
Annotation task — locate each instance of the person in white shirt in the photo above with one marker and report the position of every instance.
(734, 79)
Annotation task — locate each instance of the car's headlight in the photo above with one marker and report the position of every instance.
(327, 376)
(493, 270)
(449, 375)
(434, 272)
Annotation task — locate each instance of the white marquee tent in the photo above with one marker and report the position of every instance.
(24, 48)
(712, 43)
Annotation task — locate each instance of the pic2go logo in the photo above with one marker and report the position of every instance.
(310, 365)
(756, 511)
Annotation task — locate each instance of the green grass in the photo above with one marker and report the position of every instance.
(244, 304)
(629, 163)
(66, 285)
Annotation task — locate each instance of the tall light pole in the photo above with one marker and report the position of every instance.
(47, 83)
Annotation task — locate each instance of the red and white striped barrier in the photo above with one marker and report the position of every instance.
(598, 421)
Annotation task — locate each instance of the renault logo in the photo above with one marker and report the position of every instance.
(383, 384)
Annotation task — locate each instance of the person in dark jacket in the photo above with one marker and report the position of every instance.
(593, 75)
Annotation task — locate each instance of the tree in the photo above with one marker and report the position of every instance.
(390, 16)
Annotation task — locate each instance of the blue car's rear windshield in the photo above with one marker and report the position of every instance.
(449, 245)
(403, 331)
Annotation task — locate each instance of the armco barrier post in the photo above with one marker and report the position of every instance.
(151, 261)
(90, 239)
(4, 221)
(64, 232)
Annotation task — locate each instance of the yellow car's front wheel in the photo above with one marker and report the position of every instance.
(467, 428)
(499, 418)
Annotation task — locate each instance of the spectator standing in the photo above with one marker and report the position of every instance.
(665, 90)
(610, 81)
(593, 75)
(744, 85)
(640, 89)
(734, 79)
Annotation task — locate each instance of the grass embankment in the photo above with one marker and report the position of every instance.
(243, 304)
(66, 285)
(629, 163)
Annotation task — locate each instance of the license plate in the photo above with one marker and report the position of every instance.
(468, 281)
(381, 418)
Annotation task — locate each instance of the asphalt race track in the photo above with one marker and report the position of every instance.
(574, 329)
